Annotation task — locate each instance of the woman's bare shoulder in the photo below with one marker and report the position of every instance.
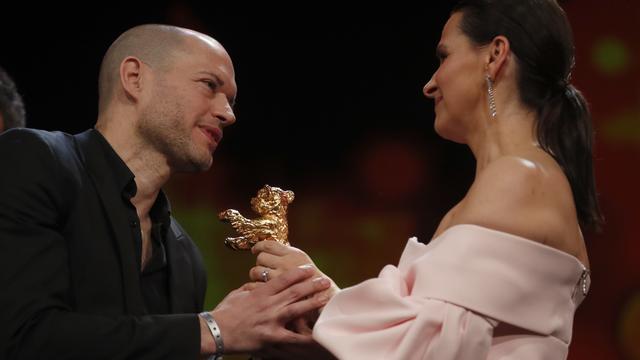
(524, 197)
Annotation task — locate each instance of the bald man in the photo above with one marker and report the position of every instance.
(92, 265)
(12, 114)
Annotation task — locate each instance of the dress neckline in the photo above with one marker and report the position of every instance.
(520, 238)
(584, 278)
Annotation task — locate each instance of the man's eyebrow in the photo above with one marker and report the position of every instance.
(214, 76)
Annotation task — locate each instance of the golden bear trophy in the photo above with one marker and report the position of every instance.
(271, 204)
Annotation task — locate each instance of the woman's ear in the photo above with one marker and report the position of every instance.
(499, 51)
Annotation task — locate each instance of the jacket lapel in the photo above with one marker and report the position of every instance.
(94, 160)
(181, 286)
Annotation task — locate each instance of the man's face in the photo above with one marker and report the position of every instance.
(189, 105)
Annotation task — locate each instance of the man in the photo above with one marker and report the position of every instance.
(92, 266)
(12, 114)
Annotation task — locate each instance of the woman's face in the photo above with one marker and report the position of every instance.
(458, 86)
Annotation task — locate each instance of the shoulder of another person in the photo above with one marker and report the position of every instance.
(33, 170)
(515, 195)
(27, 142)
(25, 135)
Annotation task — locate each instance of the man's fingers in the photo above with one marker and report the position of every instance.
(251, 286)
(301, 326)
(302, 307)
(289, 337)
(299, 299)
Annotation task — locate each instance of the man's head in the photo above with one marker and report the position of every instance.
(12, 114)
(173, 88)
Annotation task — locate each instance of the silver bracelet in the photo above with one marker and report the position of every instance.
(215, 332)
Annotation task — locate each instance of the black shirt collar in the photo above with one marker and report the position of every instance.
(125, 181)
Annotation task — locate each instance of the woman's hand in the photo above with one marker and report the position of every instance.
(273, 259)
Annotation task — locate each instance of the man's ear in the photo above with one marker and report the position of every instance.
(499, 52)
(131, 77)
(1, 123)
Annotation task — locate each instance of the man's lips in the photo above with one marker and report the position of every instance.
(214, 134)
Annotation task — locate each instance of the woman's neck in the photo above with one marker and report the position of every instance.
(512, 132)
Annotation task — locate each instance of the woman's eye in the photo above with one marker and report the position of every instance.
(441, 55)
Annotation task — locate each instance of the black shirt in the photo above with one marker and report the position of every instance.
(154, 277)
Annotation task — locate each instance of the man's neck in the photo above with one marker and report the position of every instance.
(149, 167)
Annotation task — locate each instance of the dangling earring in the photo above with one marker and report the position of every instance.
(492, 101)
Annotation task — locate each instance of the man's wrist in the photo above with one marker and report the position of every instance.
(211, 337)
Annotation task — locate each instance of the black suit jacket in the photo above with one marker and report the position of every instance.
(69, 279)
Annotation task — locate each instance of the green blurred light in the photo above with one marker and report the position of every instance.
(630, 327)
(339, 266)
(610, 56)
(624, 128)
(372, 230)
(208, 234)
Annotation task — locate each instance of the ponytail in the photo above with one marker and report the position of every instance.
(541, 39)
(564, 130)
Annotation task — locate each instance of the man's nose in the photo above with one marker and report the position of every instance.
(223, 111)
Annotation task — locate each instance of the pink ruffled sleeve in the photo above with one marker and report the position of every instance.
(444, 300)
(382, 318)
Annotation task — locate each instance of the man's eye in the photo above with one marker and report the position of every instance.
(211, 84)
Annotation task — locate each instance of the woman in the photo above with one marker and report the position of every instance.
(507, 266)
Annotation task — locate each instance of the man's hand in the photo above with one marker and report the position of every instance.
(253, 318)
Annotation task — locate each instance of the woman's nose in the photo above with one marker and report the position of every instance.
(429, 90)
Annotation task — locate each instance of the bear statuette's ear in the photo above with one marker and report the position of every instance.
(288, 196)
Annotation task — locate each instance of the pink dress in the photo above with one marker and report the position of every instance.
(471, 293)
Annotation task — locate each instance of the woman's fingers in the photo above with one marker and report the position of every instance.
(271, 247)
(263, 274)
(269, 260)
(287, 279)
(272, 255)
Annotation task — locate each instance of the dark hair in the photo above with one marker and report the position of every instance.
(11, 106)
(541, 39)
